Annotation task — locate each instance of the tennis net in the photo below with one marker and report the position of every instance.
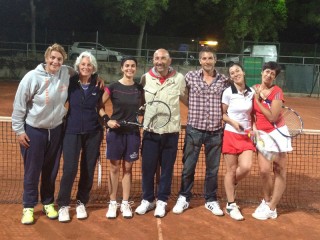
(303, 174)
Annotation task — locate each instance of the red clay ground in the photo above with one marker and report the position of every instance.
(195, 223)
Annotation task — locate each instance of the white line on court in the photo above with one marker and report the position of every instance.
(160, 237)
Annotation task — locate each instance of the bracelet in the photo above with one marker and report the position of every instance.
(106, 119)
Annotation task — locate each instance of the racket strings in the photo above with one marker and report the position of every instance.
(160, 115)
(293, 122)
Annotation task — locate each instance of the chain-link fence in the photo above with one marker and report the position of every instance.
(18, 57)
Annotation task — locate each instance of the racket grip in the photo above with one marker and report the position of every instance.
(123, 123)
(249, 132)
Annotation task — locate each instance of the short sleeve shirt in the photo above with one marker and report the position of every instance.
(126, 100)
(262, 122)
(239, 106)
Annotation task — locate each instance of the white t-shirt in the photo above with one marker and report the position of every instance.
(239, 107)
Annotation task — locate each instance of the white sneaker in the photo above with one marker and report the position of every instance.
(112, 210)
(126, 210)
(261, 207)
(81, 211)
(234, 211)
(160, 209)
(64, 214)
(144, 207)
(265, 213)
(214, 207)
(181, 205)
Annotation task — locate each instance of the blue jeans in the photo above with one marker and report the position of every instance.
(158, 149)
(212, 142)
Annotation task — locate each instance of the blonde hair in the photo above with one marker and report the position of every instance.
(55, 47)
(92, 59)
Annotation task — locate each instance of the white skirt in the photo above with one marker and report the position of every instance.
(280, 143)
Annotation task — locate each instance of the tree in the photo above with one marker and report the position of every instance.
(252, 20)
(303, 21)
(33, 26)
(140, 12)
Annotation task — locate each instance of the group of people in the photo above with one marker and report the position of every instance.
(59, 110)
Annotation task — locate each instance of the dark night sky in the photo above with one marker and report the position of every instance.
(79, 15)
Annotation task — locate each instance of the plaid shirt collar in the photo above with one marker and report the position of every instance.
(199, 74)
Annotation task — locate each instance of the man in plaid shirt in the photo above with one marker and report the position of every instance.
(204, 127)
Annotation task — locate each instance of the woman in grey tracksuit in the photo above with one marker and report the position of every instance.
(37, 117)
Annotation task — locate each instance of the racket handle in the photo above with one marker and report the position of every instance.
(123, 123)
(248, 131)
(250, 134)
(128, 123)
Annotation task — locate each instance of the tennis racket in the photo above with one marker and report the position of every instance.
(292, 120)
(159, 115)
(265, 144)
(291, 124)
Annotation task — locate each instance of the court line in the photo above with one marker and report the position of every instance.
(160, 236)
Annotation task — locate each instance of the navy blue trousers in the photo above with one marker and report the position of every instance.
(89, 146)
(41, 159)
(158, 149)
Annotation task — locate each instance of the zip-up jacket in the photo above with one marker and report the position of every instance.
(83, 113)
(40, 99)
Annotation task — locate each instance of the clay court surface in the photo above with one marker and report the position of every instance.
(308, 108)
(195, 223)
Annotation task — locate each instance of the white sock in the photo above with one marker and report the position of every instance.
(266, 202)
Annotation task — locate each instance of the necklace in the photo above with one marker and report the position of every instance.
(126, 82)
(265, 92)
(85, 86)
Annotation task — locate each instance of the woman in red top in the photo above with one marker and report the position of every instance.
(267, 106)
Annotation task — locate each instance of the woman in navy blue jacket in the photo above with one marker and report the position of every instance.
(83, 133)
